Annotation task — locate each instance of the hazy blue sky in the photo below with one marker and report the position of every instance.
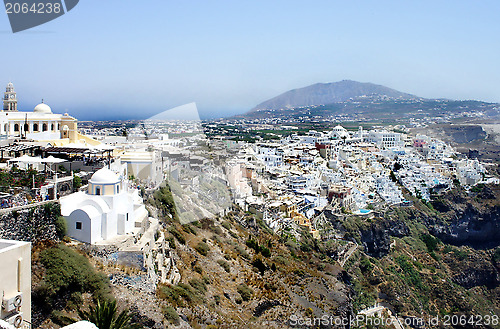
(109, 58)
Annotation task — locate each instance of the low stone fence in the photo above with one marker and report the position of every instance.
(30, 223)
(31, 205)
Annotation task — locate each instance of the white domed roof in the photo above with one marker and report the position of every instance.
(42, 108)
(104, 176)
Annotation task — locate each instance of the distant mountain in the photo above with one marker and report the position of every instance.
(328, 93)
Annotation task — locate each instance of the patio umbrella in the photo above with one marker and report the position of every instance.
(27, 159)
(52, 159)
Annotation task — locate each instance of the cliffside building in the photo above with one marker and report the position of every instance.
(107, 209)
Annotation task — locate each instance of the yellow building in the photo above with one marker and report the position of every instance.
(41, 124)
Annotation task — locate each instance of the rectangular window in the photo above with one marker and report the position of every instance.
(78, 225)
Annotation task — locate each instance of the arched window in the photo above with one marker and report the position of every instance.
(97, 191)
(35, 127)
(65, 131)
(16, 127)
(58, 126)
(6, 127)
(52, 127)
(44, 127)
(26, 127)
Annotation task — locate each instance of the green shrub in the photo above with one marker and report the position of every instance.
(365, 265)
(281, 260)
(299, 272)
(265, 252)
(61, 227)
(163, 200)
(225, 265)
(253, 244)
(105, 315)
(447, 249)
(178, 235)
(478, 188)
(176, 294)
(171, 241)
(226, 225)
(461, 254)
(67, 272)
(170, 314)
(410, 275)
(198, 285)
(188, 229)
(433, 255)
(216, 229)
(430, 241)
(292, 246)
(245, 292)
(77, 182)
(364, 295)
(241, 250)
(202, 248)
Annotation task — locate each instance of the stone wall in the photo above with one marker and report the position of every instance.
(32, 225)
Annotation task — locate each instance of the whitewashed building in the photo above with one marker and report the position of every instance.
(108, 208)
(40, 124)
(385, 139)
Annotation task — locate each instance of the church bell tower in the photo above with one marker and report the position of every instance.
(10, 99)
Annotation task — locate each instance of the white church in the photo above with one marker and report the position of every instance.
(107, 209)
(39, 125)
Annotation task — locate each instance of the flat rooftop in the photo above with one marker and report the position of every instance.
(10, 244)
(4, 245)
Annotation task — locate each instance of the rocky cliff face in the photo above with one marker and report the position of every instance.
(468, 219)
(472, 226)
(472, 269)
(376, 239)
(474, 276)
